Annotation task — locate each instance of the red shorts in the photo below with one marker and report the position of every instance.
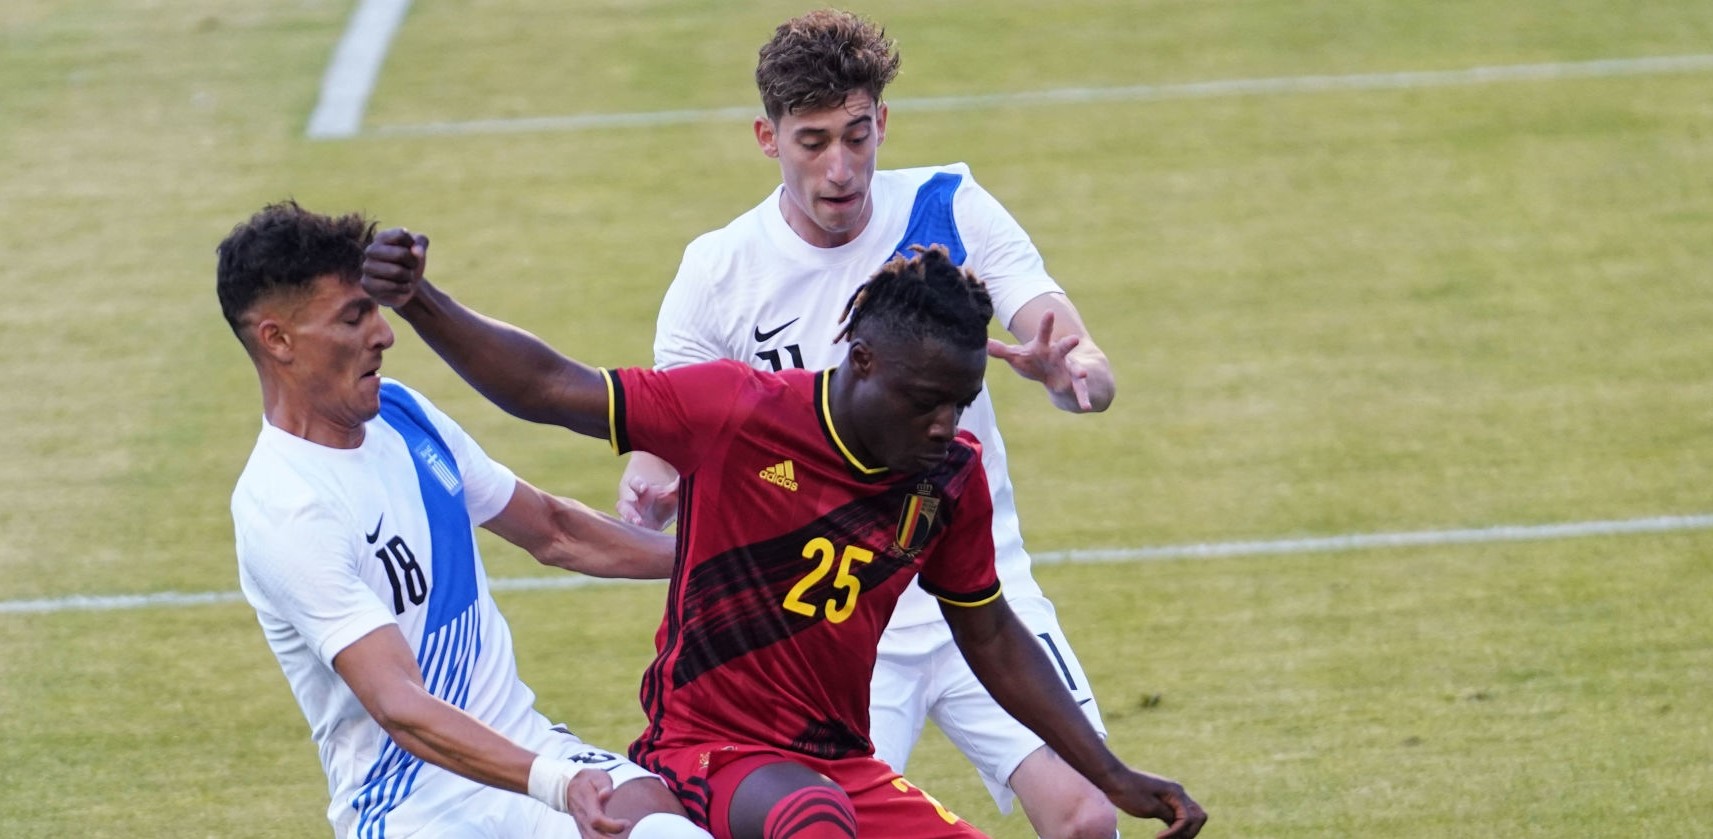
(886, 804)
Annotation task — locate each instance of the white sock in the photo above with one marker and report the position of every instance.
(666, 826)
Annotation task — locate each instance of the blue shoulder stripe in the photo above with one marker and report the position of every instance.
(932, 221)
(442, 491)
(452, 632)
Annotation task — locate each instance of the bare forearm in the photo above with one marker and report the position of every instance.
(602, 546)
(514, 369)
(439, 733)
(566, 533)
(1016, 672)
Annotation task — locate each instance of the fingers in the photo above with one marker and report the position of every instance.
(395, 236)
(1079, 381)
(1045, 332)
(630, 501)
(1187, 816)
(627, 511)
(647, 504)
(586, 797)
(392, 264)
(1064, 345)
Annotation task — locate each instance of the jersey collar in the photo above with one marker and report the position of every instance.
(824, 410)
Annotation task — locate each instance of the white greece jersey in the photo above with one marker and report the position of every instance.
(335, 543)
(754, 291)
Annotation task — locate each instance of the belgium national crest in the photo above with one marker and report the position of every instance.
(916, 520)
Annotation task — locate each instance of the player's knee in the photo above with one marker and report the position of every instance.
(666, 826)
(813, 812)
(1086, 817)
(640, 800)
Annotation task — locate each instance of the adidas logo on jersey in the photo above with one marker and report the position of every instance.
(782, 473)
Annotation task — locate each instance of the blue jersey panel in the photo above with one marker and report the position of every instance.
(932, 221)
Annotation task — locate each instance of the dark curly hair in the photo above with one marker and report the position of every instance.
(816, 61)
(282, 250)
(921, 296)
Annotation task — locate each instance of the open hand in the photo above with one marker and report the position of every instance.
(1049, 362)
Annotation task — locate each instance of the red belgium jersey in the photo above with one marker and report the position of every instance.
(791, 555)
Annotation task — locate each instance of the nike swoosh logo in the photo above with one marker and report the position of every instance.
(377, 534)
(1085, 702)
(762, 336)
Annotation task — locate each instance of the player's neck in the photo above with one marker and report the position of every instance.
(299, 417)
(844, 426)
(813, 234)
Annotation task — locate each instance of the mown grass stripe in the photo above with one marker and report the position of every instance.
(1205, 550)
(1551, 71)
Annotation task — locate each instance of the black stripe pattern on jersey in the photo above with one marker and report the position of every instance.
(734, 599)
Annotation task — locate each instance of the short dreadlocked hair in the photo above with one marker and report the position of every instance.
(282, 250)
(816, 61)
(920, 296)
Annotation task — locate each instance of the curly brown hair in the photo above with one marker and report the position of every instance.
(817, 60)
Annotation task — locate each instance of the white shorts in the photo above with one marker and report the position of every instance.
(920, 675)
(491, 813)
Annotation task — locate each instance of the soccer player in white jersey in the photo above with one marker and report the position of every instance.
(354, 519)
(768, 289)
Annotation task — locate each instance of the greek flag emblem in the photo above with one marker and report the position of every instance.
(438, 467)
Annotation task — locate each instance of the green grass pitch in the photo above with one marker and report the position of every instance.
(1331, 311)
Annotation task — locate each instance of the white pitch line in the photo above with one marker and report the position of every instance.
(350, 76)
(1365, 541)
(1602, 68)
(1206, 550)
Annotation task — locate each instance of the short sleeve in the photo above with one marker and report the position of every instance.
(678, 414)
(959, 567)
(300, 566)
(686, 330)
(1001, 253)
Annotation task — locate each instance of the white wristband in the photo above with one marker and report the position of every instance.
(549, 778)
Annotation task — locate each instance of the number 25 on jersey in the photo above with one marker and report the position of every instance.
(823, 552)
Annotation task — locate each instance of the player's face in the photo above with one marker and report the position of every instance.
(338, 336)
(826, 162)
(909, 398)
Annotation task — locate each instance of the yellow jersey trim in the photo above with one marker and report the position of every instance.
(827, 420)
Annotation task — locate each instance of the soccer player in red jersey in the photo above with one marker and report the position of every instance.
(809, 501)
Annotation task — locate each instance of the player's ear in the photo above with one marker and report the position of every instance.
(861, 357)
(767, 136)
(273, 339)
(880, 125)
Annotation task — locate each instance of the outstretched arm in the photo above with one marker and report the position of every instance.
(1012, 666)
(566, 533)
(1056, 350)
(512, 368)
(383, 674)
